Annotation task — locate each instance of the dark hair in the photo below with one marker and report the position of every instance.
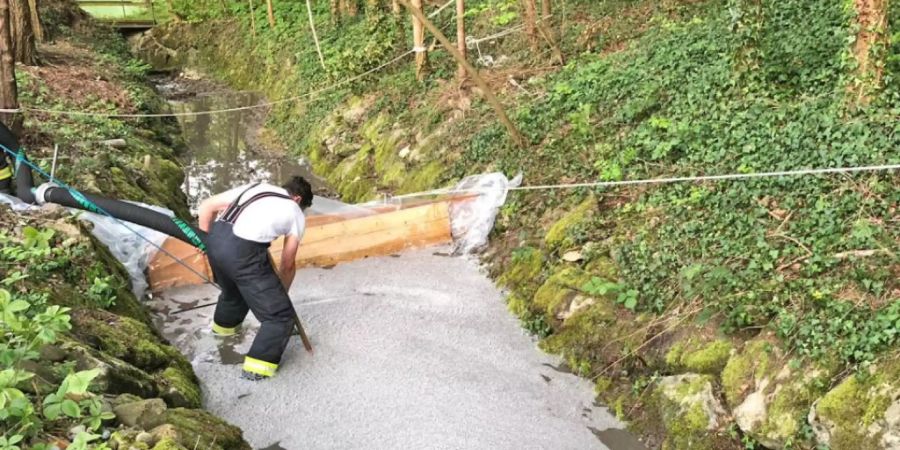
(298, 185)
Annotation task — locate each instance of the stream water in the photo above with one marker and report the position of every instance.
(225, 150)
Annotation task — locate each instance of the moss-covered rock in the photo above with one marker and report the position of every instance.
(116, 376)
(179, 387)
(862, 412)
(522, 273)
(768, 396)
(168, 444)
(748, 368)
(554, 296)
(690, 411)
(695, 355)
(594, 338)
(125, 338)
(560, 233)
(200, 429)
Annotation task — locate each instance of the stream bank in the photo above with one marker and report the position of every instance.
(72, 329)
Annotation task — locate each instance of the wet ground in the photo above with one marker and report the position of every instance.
(229, 149)
(415, 351)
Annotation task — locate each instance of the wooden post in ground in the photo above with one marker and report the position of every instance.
(419, 43)
(252, 18)
(461, 36)
(9, 96)
(514, 134)
(546, 8)
(270, 11)
(531, 23)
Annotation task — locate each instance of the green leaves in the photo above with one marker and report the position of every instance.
(600, 287)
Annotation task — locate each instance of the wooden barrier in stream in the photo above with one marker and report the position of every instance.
(329, 240)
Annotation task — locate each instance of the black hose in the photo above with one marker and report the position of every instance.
(128, 212)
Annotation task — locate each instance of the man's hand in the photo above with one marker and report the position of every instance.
(209, 209)
(288, 264)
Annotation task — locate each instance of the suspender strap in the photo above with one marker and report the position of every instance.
(235, 213)
(234, 205)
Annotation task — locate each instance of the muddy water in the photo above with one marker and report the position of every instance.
(225, 150)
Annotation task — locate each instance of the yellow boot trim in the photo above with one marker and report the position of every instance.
(259, 367)
(5, 173)
(223, 331)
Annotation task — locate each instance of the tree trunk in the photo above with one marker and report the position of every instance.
(514, 133)
(531, 23)
(22, 33)
(546, 8)
(9, 97)
(419, 43)
(461, 36)
(873, 33)
(271, 13)
(335, 11)
(36, 27)
(252, 17)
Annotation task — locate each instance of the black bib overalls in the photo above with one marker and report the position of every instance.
(244, 271)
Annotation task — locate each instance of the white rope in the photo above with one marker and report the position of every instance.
(438, 11)
(733, 176)
(219, 111)
(312, 27)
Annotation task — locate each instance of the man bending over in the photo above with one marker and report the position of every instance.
(247, 220)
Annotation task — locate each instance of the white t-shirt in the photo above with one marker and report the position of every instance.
(267, 218)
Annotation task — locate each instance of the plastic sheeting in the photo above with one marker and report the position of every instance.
(133, 245)
(472, 220)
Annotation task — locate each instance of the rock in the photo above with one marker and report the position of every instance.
(168, 444)
(699, 356)
(75, 431)
(52, 353)
(557, 293)
(145, 414)
(200, 429)
(578, 303)
(165, 431)
(145, 437)
(115, 143)
(179, 388)
(560, 233)
(116, 376)
(572, 256)
(862, 412)
(690, 411)
(769, 398)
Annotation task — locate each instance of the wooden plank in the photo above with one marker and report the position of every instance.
(380, 234)
(323, 244)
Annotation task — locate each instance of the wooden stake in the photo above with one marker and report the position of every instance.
(461, 36)
(312, 27)
(419, 43)
(271, 13)
(514, 134)
(531, 23)
(252, 18)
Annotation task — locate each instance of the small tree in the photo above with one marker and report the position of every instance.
(461, 36)
(9, 96)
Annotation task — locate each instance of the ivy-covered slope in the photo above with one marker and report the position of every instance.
(759, 298)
